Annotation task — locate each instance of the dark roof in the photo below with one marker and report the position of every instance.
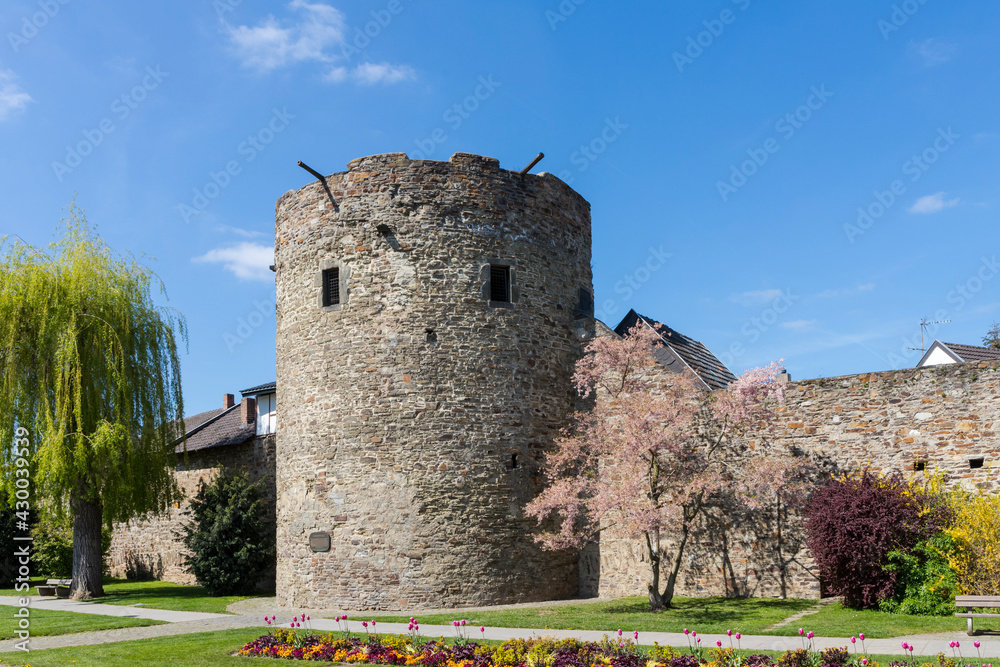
(216, 428)
(973, 352)
(680, 353)
(268, 388)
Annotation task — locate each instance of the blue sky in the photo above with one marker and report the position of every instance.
(779, 180)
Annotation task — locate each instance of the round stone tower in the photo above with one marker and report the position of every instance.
(429, 317)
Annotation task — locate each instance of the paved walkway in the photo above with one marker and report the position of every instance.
(250, 613)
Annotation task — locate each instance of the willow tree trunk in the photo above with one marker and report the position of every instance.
(87, 554)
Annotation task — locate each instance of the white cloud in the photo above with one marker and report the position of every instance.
(270, 45)
(317, 33)
(247, 261)
(370, 73)
(12, 98)
(847, 291)
(934, 52)
(933, 204)
(798, 325)
(245, 233)
(756, 298)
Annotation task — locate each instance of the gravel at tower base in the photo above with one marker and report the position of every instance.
(429, 318)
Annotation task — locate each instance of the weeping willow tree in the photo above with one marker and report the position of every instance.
(90, 368)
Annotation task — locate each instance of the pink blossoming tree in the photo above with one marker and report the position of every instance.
(655, 448)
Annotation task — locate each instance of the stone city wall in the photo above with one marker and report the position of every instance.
(944, 418)
(151, 548)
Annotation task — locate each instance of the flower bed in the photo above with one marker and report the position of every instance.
(548, 652)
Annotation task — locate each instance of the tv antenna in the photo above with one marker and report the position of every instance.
(925, 323)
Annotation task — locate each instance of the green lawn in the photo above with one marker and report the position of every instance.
(48, 622)
(154, 594)
(707, 615)
(714, 614)
(207, 649)
(835, 621)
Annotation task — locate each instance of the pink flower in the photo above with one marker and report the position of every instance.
(801, 631)
(718, 643)
(951, 644)
(635, 635)
(337, 619)
(976, 644)
(345, 617)
(904, 646)
(864, 661)
(412, 620)
(854, 640)
(699, 640)
(482, 628)
(694, 634)
(686, 631)
(364, 623)
(307, 618)
(809, 635)
(729, 632)
(737, 635)
(455, 623)
(463, 623)
(861, 636)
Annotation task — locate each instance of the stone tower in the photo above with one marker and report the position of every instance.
(429, 316)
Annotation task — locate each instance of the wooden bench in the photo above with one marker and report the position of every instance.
(974, 601)
(56, 587)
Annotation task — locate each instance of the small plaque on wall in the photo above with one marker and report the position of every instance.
(319, 541)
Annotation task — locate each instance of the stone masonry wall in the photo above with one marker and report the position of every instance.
(151, 548)
(944, 416)
(415, 413)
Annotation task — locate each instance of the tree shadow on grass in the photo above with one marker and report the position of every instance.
(713, 610)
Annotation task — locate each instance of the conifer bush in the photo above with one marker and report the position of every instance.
(231, 546)
(854, 522)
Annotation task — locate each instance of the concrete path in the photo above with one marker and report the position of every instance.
(191, 622)
(62, 604)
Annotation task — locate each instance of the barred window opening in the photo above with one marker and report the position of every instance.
(331, 287)
(500, 284)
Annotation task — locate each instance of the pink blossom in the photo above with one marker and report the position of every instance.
(861, 636)
(809, 635)
(482, 628)
(801, 631)
(737, 635)
(729, 632)
(686, 631)
(854, 640)
(718, 643)
(635, 635)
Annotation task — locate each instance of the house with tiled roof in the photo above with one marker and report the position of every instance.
(235, 436)
(678, 353)
(954, 353)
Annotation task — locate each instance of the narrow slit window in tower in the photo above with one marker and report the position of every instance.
(500, 283)
(331, 287)
(976, 462)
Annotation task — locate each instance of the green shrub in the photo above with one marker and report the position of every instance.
(52, 546)
(232, 548)
(925, 584)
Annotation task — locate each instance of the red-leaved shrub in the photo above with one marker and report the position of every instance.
(854, 522)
